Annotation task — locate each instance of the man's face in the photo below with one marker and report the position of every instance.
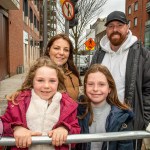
(117, 32)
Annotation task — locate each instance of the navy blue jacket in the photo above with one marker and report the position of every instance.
(117, 120)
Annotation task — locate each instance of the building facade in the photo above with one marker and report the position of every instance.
(100, 31)
(138, 14)
(5, 8)
(19, 34)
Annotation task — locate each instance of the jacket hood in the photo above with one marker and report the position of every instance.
(105, 43)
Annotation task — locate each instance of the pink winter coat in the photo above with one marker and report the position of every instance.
(16, 115)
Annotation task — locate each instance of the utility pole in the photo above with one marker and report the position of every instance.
(45, 25)
(66, 27)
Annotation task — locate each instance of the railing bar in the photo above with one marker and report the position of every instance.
(136, 144)
(83, 138)
(107, 145)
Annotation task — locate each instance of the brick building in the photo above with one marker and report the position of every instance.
(138, 14)
(5, 23)
(19, 35)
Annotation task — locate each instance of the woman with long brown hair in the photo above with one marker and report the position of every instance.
(60, 51)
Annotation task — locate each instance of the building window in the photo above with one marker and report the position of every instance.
(129, 10)
(31, 16)
(35, 22)
(147, 39)
(136, 6)
(25, 7)
(129, 23)
(135, 21)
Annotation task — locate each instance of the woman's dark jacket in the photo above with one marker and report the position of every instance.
(137, 82)
(117, 120)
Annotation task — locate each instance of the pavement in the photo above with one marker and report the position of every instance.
(7, 87)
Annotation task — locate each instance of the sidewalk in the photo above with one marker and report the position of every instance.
(10, 85)
(7, 87)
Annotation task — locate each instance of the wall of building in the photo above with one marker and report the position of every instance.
(142, 17)
(15, 25)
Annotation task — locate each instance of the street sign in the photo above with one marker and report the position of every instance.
(89, 49)
(68, 10)
(62, 1)
(90, 44)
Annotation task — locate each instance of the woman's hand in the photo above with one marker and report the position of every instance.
(23, 136)
(13, 96)
(58, 135)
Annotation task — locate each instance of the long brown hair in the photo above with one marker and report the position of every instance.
(40, 62)
(112, 97)
(71, 65)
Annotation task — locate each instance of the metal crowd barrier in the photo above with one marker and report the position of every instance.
(83, 138)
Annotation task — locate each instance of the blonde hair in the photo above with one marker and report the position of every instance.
(40, 62)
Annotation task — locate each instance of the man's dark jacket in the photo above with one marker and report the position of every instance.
(137, 82)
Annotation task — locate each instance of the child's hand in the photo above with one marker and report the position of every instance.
(58, 136)
(23, 136)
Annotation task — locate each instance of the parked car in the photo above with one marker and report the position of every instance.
(82, 64)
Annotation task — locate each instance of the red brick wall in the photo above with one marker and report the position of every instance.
(142, 16)
(15, 39)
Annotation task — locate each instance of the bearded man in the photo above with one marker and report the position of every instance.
(129, 64)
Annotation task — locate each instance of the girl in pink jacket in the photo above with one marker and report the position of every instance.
(40, 109)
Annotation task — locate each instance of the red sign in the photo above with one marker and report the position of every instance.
(90, 44)
(68, 10)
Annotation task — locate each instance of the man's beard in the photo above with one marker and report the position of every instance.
(116, 41)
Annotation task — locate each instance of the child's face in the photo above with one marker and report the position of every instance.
(45, 82)
(97, 88)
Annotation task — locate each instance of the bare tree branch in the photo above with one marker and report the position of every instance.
(88, 11)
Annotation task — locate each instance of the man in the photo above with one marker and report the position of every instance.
(129, 63)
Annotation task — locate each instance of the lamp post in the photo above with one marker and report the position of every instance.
(45, 24)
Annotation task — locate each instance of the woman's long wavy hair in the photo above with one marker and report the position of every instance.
(40, 62)
(112, 97)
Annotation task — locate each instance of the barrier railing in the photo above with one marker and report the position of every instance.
(83, 138)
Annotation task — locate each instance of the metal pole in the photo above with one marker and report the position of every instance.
(67, 27)
(45, 25)
(83, 138)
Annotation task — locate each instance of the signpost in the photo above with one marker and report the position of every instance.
(68, 13)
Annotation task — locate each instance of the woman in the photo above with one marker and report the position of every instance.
(60, 51)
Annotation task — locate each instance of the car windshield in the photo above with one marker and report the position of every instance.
(82, 61)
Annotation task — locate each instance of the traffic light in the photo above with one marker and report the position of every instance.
(74, 21)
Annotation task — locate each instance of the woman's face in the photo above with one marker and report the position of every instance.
(59, 52)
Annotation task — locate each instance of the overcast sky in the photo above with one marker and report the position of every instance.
(112, 5)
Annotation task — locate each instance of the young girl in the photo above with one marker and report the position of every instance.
(40, 109)
(100, 110)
